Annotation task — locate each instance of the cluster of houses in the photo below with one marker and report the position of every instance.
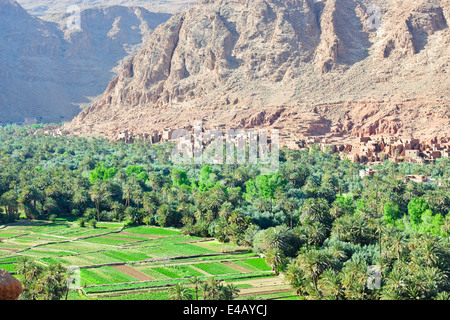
(362, 149)
(379, 149)
(154, 137)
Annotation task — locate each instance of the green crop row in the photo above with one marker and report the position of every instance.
(216, 268)
(104, 275)
(257, 264)
(152, 231)
(175, 250)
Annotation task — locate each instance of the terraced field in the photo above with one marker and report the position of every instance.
(138, 263)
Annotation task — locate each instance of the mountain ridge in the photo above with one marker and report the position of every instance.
(225, 62)
(48, 70)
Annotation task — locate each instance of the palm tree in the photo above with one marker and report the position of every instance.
(225, 210)
(122, 177)
(275, 258)
(214, 287)
(330, 284)
(10, 201)
(204, 286)
(127, 190)
(294, 276)
(137, 194)
(280, 237)
(339, 226)
(397, 242)
(262, 204)
(81, 198)
(163, 214)
(41, 283)
(54, 282)
(432, 280)
(290, 206)
(443, 295)
(312, 263)
(118, 209)
(336, 252)
(354, 279)
(30, 195)
(427, 251)
(28, 269)
(315, 232)
(359, 228)
(155, 180)
(395, 284)
(377, 224)
(316, 210)
(229, 292)
(216, 197)
(377, 180)
(165, 191)
(196, 282)
(446, 226)
(149, 203)
(99, 193)
(179, 292)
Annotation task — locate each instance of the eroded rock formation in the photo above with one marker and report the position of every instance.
(306, 67)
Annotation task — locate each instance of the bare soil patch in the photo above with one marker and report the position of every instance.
(235, 266)
(263, 286)
(10, 249)
(133, 272)
(249, 292)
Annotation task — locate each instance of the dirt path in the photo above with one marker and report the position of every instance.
(10, 249)
(235, 266)
(133, 272)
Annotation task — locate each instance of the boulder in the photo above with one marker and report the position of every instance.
(10, 287)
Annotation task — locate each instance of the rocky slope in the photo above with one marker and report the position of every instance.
(47, 70)
(306, 67)
(43, 8)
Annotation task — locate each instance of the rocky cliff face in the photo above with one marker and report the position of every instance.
(47, 70)
(328, 65)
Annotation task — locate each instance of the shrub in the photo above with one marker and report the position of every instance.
(81, 222)
(92, 223)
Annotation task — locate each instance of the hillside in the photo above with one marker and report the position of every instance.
(48, 71)
(306, 67)
(46, 7)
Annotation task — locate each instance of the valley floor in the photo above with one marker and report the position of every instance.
(136, 262)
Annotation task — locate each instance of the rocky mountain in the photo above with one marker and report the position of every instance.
(43, 8)
(330, 67)
(48, 69)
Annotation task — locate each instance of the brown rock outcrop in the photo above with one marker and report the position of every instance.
(10, 287)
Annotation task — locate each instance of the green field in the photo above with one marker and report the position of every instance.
(160, 258)
(103, 275)
(216, 268)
